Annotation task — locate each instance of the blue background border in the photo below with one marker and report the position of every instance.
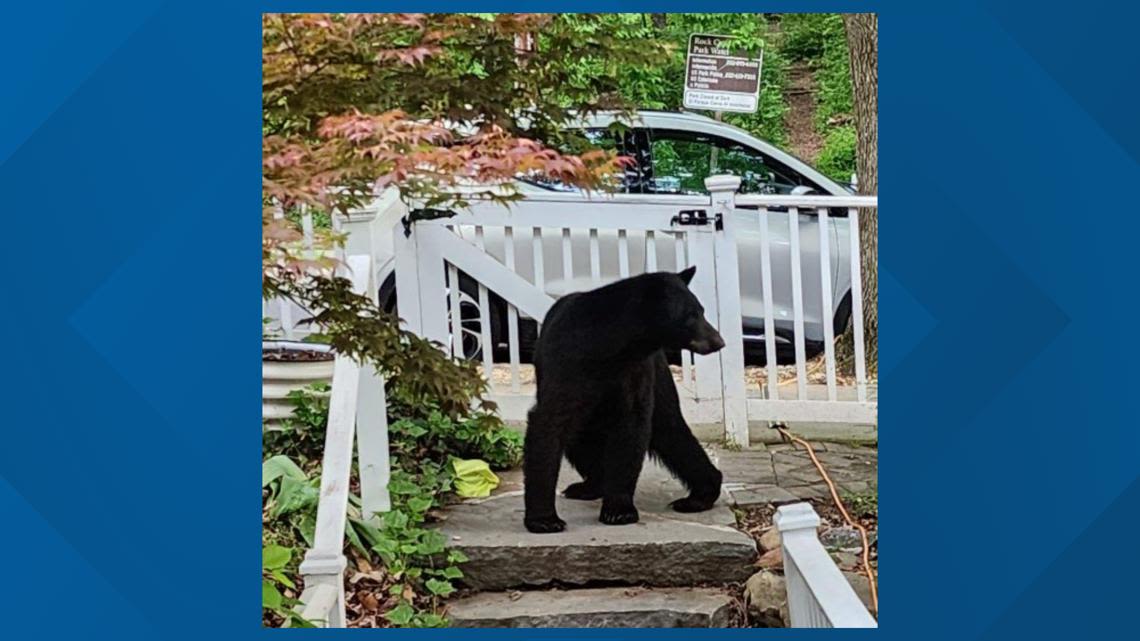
(129, 162)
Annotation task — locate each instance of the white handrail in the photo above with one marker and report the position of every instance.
(819, 596)
(357, 408)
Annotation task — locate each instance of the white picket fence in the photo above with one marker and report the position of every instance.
(548, 245)
(818, 594)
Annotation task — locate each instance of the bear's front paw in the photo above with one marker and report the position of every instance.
(545, 525)
(582, 491)
(622, 513)
(693, 504)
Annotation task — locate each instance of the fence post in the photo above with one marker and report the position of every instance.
(797, 522)
(324, 563)
(372, 426)
(819, 596)
(372, 443)
(729, 314)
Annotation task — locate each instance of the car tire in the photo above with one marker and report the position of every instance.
(469, 313)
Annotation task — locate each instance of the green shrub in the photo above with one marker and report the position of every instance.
(302, 436)
(837, 158)
(422, 439)
(806, 34)
(834, 100)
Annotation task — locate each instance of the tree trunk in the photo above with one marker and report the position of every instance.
(863, 43)
(659, 20)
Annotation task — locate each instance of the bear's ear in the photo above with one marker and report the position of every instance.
(687, 275)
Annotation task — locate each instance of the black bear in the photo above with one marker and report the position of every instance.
(606, 398)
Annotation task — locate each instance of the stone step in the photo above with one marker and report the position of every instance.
(665, 548)
(595, 608)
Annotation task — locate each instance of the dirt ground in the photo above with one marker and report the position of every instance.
(816, 370)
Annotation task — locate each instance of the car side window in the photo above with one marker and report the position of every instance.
(630, 143)
(681, 160)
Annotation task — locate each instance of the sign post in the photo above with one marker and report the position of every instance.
(719, 77)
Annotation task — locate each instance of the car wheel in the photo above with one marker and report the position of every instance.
(470, 323)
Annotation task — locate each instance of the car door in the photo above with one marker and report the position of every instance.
(681, 160)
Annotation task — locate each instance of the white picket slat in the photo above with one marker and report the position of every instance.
(488, 348)
(456, 320)
(857, 304)
(827, 318)
(539, 265)
(798, 301)
(650, 251)
(567, 256)
(595, 258)
(769, 306)
(512, 311)
(623, 254)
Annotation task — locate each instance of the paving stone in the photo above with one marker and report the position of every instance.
(803, 492)
(855, 468)
(749, 467)
(762, 495)
(595, 608)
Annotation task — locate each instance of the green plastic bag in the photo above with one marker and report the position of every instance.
(474, 478)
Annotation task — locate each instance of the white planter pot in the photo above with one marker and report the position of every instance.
(279, 378)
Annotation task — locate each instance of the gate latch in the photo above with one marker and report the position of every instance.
(696, 217)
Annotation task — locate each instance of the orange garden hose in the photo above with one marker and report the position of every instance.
(842, 510)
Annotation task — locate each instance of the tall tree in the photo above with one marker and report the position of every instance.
(863, 43)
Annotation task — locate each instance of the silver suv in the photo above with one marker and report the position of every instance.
(674, 153)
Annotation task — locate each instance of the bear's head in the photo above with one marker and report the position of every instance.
(680, 318)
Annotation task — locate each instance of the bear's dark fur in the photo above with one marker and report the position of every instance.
(606, 398)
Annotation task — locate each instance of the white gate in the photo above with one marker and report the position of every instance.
(523, 257)
(481, 281)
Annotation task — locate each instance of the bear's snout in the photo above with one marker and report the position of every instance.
(708, 340)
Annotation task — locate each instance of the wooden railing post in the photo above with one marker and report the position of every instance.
(372, 444)
(324, 564)
(729, 314)
(357, 398)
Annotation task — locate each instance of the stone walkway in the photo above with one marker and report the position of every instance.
(783, 473)
(674, 567)
(777, 474)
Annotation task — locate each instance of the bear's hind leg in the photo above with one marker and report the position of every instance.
(682, 454)
(585, 454)
(624, 456)
(675, 446)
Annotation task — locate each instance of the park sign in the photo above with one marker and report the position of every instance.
(719, 76)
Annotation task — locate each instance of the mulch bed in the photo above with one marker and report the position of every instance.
(755, 519)
(295, 355)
